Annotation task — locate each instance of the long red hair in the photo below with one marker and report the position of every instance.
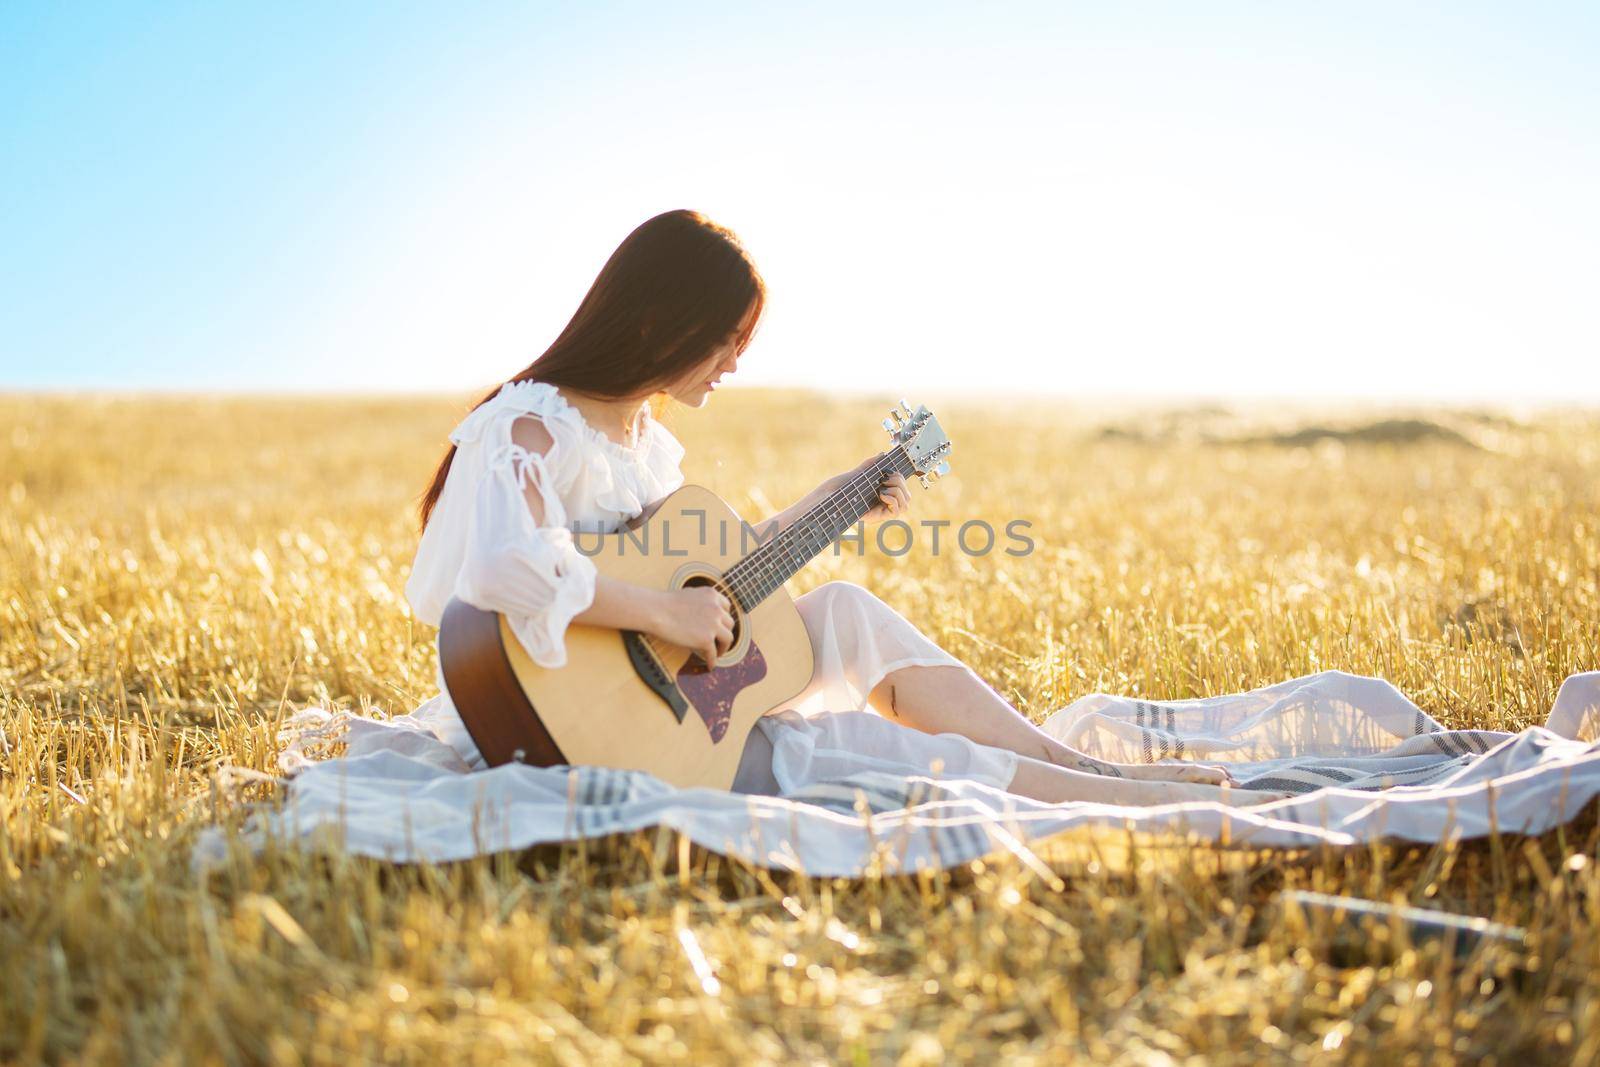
(676, 289)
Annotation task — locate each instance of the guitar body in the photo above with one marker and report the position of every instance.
(624, 699)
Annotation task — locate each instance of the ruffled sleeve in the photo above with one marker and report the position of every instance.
(530, 571)
(483, 544)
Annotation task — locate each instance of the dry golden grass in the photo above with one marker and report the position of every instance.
(178, 573)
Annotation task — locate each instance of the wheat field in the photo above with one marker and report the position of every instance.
(180, 573)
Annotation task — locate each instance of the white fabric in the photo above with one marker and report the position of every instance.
(399, 793)
(1358, 733)
(483, 545)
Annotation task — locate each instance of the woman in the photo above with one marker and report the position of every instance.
(572, 442)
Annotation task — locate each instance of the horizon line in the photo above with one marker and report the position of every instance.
(989, 394)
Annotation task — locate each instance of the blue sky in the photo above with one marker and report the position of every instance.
(1386, 200)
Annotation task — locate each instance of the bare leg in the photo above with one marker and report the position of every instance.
(949, 699)
(850, 630)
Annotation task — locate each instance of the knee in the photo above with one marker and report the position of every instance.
(841, 590)
(835, 596)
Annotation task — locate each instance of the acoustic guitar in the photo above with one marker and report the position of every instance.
(632, 700)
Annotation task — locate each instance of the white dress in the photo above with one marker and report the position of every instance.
(483, 545)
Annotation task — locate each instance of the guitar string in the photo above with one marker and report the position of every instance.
(763, 557)
(747, 580)
(760, 566)
(759, 573)
(870, 478)
(771, 565)
(769, 559)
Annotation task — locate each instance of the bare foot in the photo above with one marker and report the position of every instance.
(1249, 798)
(1199, 773)
(1054, 784)
(1233, 797)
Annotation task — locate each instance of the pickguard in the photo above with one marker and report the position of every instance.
(711, 690)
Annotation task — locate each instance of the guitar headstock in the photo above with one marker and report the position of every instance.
(924, 441)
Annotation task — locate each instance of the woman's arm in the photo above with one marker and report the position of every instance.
(772, 524)
(697, 618)
(893, 499)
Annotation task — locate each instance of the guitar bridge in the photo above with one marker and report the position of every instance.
(653, 673)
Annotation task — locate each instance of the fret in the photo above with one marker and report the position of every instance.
(765, 569)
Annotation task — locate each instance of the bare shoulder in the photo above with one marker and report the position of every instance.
(529, 432)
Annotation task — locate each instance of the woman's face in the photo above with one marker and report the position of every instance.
(694, 388)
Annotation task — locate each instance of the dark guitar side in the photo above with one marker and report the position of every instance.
(478, 675)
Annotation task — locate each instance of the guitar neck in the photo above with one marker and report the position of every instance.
(754, 578)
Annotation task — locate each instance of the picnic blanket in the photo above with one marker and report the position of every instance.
(1364, 762)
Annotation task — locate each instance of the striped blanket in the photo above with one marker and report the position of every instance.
(1362, 760)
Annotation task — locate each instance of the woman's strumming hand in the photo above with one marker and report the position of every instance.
(696, 617)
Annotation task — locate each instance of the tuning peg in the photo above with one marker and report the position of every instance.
(933, 474)
(905, 407)
(888, 424)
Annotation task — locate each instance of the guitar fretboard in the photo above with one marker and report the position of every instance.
(753, 578)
